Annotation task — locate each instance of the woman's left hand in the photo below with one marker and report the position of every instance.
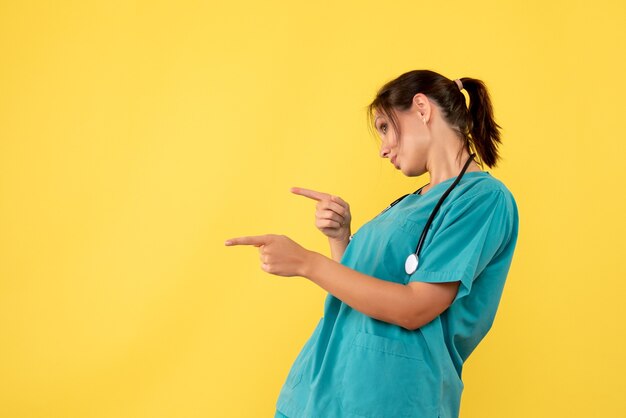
(279, 254)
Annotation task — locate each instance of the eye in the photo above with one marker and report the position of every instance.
(383, 125)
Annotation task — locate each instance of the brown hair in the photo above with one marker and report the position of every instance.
(475, 126)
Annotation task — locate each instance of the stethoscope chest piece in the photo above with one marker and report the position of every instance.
(410, 265)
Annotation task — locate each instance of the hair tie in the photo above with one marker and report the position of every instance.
(459, 83)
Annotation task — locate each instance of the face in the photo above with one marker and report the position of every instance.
(409, 152)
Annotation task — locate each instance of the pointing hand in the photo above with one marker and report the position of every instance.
(332, 215)
(279, 254)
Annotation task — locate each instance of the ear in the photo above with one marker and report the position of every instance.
(422, 105)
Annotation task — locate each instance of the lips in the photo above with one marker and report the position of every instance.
(393, 161)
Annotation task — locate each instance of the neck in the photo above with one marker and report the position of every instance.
(444, 160)
(443, 166)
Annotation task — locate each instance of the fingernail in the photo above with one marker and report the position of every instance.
(228, 242)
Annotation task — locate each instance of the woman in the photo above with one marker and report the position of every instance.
(415, 289)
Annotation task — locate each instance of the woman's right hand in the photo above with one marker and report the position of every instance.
(332, 215)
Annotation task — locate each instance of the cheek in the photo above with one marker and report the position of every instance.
(411, 154)
(407, 149)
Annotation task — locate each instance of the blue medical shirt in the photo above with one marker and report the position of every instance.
(354, 365)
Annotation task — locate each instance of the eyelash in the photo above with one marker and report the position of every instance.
(381, 127)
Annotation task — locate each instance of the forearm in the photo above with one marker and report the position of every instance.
(380, 299)
(338, 247)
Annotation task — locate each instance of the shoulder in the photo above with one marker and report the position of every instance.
(482, 195)
(483, 185)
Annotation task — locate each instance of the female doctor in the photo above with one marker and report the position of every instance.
(415, 289)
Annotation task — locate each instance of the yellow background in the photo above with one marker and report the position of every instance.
(135, 137)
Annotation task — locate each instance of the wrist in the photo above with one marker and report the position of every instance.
(343, 239)
(311, 261)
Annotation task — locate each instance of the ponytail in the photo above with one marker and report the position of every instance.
(484, 131)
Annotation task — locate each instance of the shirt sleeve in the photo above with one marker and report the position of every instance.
(471, 234)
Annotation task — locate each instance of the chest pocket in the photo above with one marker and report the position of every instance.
(398, 241)
(412, 227)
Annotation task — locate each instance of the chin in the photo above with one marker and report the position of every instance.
(409, 173)
(417, 173)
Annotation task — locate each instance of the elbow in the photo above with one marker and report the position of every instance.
(410, 327)
(417, 319)
(412, 314)
(411, 322)
(406, 325)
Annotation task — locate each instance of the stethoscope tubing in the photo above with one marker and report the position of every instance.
(438, 205)
(412, 260)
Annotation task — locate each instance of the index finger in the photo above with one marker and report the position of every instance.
(252, 240)
(340, 201)
(310, 193)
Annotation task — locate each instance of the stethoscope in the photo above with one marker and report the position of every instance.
(410, 265)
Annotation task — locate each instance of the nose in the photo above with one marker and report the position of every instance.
(384, 151)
